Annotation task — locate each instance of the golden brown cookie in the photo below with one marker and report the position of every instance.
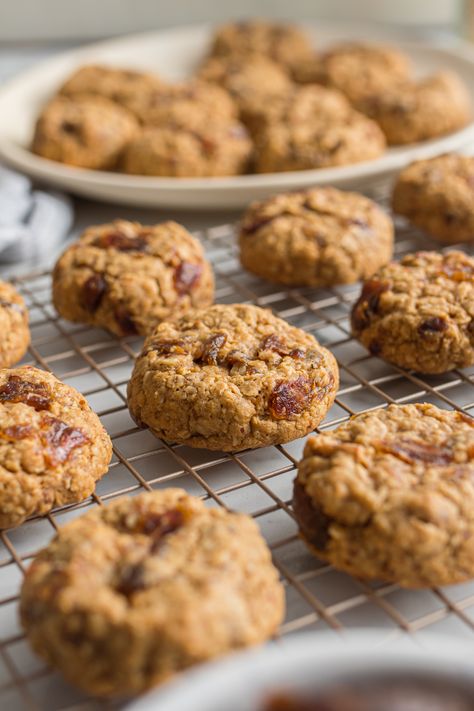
(419, 313)
(412, 111)
(84, 131)
(356, 69)
(352, 138)
(53, 448)
(15, 337)
(438, 196)
(174, 584)
(127, 277)
(317, 237)
(231, 377)
(390, 495)
(200, 148)
(124, 86)
(284, 43)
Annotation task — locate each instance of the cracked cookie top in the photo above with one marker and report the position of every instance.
(230, 377)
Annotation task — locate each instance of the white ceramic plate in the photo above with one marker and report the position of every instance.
(307, 662)
(173, 54)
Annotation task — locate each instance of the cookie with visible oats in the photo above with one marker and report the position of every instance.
(174, 584)
(317, 237)
(53, 447)
(438, 195)
(127, 277)
(390, 495)
(13, 326)
(84, 131)
(231, 377)
(419, 313)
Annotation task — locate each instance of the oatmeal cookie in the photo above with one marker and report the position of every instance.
(314, 144)
(13, 326)
(357, 70)
(438, 196)
(175, 584)
(86, 131)
(390, 495)
(127, 277)
(284, 43)
(231, 377)
(179, 103)
(197, 149)
(419, 313)
(411, 111)
(317, 237)
(53, 448)
(124, 86)
(251, 81)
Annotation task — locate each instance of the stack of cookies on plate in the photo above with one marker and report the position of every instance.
(263, 101)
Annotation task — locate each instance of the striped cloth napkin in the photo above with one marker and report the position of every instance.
(32, 222)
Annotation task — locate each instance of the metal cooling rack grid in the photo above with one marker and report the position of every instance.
(257, 482)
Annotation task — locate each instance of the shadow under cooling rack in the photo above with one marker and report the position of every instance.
(256, 482)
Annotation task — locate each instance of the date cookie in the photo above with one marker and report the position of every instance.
(357, 70)
(419, 313)
(15, 337)
(352, 138)
(197, 149)
(438, 196)
(417, 111)
(318, 237)
(284, 43)
(390, 495)
(127, 277)
(124, 86)
(231, 377)
(53, 448)
(174, 584)
(86, 131)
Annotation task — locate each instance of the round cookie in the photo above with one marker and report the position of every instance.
(53, 447)
(127, 277)
(179, 103)
(231, 377)
(86, 131)
(318, 237)
(251, 81)
(304, 146)
(409, 112)
(284, 43)
(124, 86)
(390, 495)
(197, 149)
(355, 69)
(175, 584)
(419, 313)
(438, 196)
(13, 326)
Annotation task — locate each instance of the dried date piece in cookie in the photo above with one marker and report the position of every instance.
(438, 195)
(317, 237)
(419, 313)
(53, 448)
(13, 326)
(231, 377)
(195, 149)
(390, 495)
(284, 43)
(409, 111)
(175, 584)
(127, 277)
(84, 131)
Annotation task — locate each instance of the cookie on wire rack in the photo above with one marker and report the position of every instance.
(13, 325)
(174, 583)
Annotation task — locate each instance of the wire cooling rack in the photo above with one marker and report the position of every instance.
(257, 482)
